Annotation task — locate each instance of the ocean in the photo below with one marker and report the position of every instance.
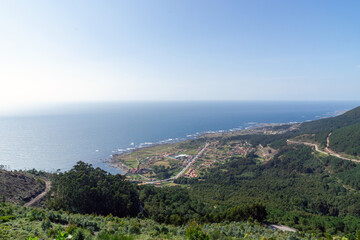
(57, 137)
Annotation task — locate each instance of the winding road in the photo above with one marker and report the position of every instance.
(326, 151)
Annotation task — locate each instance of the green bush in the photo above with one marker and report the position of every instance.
(195, 232)
(4, 219)
(46, 225)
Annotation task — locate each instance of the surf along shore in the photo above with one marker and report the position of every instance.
(163, 155)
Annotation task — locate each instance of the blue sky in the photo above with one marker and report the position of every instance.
(64, 51)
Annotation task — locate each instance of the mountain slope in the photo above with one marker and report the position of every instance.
(17, 187)
(321, 128)
(346, 140)
(330, 124)
(302, 189)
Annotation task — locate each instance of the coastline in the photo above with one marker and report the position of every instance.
(252, 128)
(247, 128)
(117, 128)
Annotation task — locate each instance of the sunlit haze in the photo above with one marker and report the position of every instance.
(80, 51)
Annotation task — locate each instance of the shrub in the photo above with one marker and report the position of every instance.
(195, 232)
(46, 225)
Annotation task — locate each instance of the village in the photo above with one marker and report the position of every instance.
(165, 162)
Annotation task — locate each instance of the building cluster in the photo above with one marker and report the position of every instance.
(192, 173)
(216, 153)
(227, 151)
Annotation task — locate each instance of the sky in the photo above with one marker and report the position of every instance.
(172, 50)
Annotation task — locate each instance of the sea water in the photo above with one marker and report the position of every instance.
(56, 138)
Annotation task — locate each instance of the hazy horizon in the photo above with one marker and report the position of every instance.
(64, 108)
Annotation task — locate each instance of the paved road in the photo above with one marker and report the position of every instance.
(192, 161)
(40, 196)
(326, 151)
(184, 169)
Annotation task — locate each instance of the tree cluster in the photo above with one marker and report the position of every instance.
(85, 189)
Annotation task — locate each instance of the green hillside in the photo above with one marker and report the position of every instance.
(300, 189)
(323, 127)
(346, 140)
(17, 222)
(329, 124)
(345, 130)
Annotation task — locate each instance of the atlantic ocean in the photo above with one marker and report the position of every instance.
(55, 138)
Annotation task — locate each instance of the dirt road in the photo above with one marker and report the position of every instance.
(40, 196)
(283, 228)
(327, 150)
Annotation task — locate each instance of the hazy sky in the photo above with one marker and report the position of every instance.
(61, 51)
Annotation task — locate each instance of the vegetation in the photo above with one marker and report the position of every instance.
(84, 189)
(346, 140)
(323, 127)
(310, 192)
(163, 172)
(175, 206)
(19, 187)
(328, 124)
(29, 223)
(300, 189)
(87, 190)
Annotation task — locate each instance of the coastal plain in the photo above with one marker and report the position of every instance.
(166, 161)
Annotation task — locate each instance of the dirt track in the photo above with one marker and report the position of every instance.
(327, 150)
(40, 196)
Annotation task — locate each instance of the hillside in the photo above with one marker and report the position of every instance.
(323, 127)
(332, 123)
(300, 189)
(346, 140)
(43, 224)
(341, 133)
(19, 187)
(158, 213)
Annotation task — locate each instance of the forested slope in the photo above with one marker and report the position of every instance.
(346, 139)
(85, 189)
(328, 124)
(299, 188)
(323, 127)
